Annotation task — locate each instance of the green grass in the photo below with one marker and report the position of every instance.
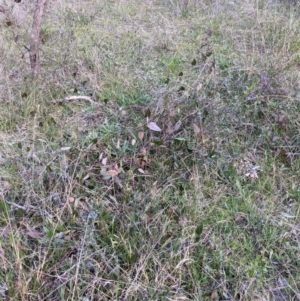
(94, 205)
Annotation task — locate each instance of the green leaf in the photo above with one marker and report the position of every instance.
(147, 113)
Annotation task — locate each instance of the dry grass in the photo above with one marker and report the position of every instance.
(95, 206)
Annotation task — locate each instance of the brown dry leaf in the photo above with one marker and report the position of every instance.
(252, 175)
(34, 234)
(141, 135)
(214, 296)
(112, 173)
(143, 151)
(196, 129)
(68, 237)
(143, 164)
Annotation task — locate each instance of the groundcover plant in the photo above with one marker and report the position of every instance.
(156, 155)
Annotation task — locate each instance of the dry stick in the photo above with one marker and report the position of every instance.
(34, 37)
(70, 98)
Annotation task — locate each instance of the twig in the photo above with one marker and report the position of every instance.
(87, 98)
(17, 205)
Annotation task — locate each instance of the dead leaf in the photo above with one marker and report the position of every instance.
(143, 164)
(214, 296)
(71, 199)
(154, 127)
(34, 234)
(112, 173)
(283, 158)
(252, 176)
(104, 161)
(196, 129)
(177, 126)
(199, 87)
(86, 177)
(141, 135)
(141, 171)
(2, 9)
(143, 151)
(133, 142)
(68, 237)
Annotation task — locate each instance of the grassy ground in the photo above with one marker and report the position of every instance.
(95, 205)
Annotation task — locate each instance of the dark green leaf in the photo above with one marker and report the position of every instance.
(158, 142)
(147, 113)
(199, 229)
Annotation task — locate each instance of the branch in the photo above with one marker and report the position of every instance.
(34, 37)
